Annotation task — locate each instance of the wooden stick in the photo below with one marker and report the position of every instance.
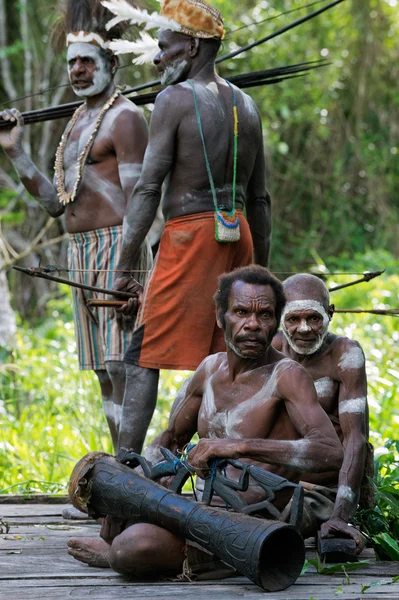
(37, 272)
(105, 303)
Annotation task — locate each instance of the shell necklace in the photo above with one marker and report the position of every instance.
(64, 196)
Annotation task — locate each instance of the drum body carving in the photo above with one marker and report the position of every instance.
(270, 553)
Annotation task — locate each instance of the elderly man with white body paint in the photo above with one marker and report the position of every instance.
(337, 367)
(250, 403)
(97, 165)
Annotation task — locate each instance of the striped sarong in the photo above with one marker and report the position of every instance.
(92, 258)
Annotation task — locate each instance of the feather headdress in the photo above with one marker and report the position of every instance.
(86, 21)
(190, 17)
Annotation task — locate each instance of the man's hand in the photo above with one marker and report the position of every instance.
(206, 449)
(336, 527)
(11, 139)
(125, 315)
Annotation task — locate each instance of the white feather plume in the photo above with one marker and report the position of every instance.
(124, 11)
(146, 48)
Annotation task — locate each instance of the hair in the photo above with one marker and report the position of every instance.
(86, 15)
(252, 274)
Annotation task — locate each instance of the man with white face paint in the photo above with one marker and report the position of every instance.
(206, 147)
(98, 163)
(337, 367)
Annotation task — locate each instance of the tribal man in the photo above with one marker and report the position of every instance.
(337, 367)
(206, 147)
(251, 403)
(97, 166)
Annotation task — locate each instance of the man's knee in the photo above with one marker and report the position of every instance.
(132, 551)
(115, 369)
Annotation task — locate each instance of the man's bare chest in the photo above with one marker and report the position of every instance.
(82, 136)
(326, 383)
(237, 411)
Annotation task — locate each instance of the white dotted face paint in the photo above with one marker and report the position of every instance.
(173, 72)
(102, 76)
(352, 359)
(346, 493)
(324, 387)
(299, 306)
(356, 405)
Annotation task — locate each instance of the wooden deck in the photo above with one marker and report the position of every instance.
(34, 565)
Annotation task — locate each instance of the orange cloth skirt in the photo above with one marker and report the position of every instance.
(176, 325)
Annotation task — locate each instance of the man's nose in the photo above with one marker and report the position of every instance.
(252, 322)
(156, 59)
(304, 327)
(78, 66)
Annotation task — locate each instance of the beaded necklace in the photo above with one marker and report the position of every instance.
(64, 196)
(227, 224)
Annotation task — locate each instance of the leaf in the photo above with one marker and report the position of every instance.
(388, 544)
(380, 582)
(305, 567)
(339, 591)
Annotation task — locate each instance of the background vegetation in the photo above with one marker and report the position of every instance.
(332, 145)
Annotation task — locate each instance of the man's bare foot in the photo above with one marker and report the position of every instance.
(70, 512)
(92, 551)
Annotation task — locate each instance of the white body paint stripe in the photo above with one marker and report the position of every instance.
(352, 359)
(356, 405)
(345, 493)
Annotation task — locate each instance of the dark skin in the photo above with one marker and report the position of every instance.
(248, 403)
(109, 176)
(338, 370)
(107, 185)
(175, 146)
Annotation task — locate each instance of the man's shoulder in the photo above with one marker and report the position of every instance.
(348, 353)
(124, 109)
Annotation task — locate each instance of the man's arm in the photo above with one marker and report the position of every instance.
(130, 138)
(258, 204)
(319, 450)
(183, 418)
(32, 179)
(353, 419)
(158, 161)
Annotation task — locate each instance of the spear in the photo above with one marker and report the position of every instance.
(38, 272)
(246, 80)
(368, 276)
(62, 111)
(390, 312)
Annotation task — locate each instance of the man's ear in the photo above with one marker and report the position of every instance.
(218, 319)
(114, 61)
(194, 46)
(331, 310)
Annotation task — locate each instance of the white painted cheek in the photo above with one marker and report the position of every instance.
(346, 493)
(356, 405)
(352, 359)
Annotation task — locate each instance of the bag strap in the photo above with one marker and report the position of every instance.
(235, 142)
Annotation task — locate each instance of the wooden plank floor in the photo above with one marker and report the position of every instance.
(34, 565)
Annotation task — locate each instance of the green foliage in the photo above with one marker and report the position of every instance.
(381, 524)
(50, 412)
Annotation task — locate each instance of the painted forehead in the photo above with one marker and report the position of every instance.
(251, 292)
(301, 305)
(83, 49)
